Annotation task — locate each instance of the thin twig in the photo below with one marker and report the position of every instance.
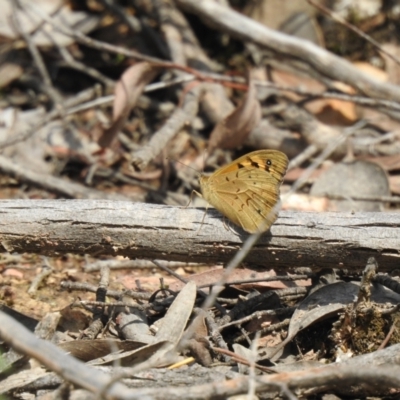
(37, 58)
(265, 279)
(46, 271)
(335, 16)
(177, 276)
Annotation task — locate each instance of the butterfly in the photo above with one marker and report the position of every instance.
(246, 191)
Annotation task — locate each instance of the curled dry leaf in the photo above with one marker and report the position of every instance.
(234, 129)
(87, 350)
(326, 302)
(322, 304)
(162, 350)
(127, 91)
(347, 180)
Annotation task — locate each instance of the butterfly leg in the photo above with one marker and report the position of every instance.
(228, 226)
(194, 192)
(202, 221)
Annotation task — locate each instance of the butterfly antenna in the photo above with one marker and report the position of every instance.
(187, 166)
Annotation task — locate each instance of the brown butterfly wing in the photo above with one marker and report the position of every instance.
(261, 198)
(247, 190)
(250, 200)
(273, 161)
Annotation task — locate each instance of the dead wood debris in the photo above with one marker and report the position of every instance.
(123, 104)
(167, 331)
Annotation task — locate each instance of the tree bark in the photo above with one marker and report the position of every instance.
(140, 230)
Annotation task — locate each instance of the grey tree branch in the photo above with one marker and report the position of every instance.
(53, 183)
(51, 227)
(180, 117)
(379, 371)
(289, 49)
(85, 376)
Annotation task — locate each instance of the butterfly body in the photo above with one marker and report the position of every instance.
(246, 191)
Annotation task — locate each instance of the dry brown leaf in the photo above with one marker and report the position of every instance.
(321, 304)
(131, 357)
(338, 112)
(127, 91)
(167, 337)
(234, 129)
(195, 339)
(375, 72)
(374, 115)
(394, 182)
(327, 301)
(390, 162)
(87, 350)
(175, 320)
(9, 72)
(214, 275)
